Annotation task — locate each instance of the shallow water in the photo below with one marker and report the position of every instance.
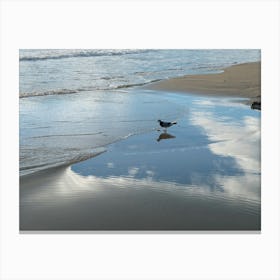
(202, 174)
(52, 72)
(92, 158)
(55, 130)
(76, 102)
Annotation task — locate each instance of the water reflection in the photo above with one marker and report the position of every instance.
(238, 139)
(164, 136)
(236, 136)
(65, 200)
(207, 153)
(216, 149)
(207, 177)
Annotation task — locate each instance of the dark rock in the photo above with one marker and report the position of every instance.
(256, 105)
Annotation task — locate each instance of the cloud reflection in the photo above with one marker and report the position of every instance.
(65, 200)
(240, 141)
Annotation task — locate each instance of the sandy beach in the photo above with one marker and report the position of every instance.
(242, 80)
(93, 155)
(139, 185)
(203, 174)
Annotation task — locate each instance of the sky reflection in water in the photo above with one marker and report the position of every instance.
(201, 174)
(214, 147)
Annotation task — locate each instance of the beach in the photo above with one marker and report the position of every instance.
(139, 185)
(94, 158)
(201, 174)
(242, 80)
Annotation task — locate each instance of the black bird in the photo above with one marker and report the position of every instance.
(166, 124)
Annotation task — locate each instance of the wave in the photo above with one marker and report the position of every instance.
(47, 166)
(66, 135)
(61, 54)
(137, 84)
(48, 92)
(28, 169)
(72, 91)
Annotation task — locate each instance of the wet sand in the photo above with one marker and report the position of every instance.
(242, 80)
(139, 185)
(203, 174)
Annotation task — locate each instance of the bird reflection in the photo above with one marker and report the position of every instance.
(164, 136)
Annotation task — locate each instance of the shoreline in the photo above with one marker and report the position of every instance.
(240, 80)
(188, 178)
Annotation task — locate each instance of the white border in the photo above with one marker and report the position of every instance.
(156, 24)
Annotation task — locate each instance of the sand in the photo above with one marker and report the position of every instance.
(187, 179)
(154, 181)
(242, 80)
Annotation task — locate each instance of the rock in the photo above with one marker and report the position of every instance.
(256, 105)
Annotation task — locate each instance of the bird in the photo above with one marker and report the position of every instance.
(166, 124)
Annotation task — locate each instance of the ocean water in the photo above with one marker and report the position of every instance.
(49, 72)
(73, 103)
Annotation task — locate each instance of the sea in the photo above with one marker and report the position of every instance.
(76, 102)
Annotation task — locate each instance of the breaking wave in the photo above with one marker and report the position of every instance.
(49, 92)
(71, 91)
(60, 54)
(24, 170)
